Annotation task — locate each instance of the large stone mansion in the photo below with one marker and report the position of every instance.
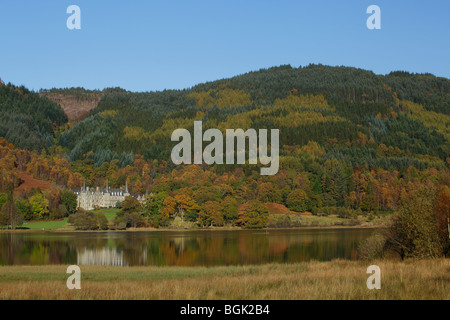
(89, 199)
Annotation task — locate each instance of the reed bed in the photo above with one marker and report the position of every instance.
(338, 279)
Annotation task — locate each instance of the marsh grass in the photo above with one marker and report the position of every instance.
(338, 279)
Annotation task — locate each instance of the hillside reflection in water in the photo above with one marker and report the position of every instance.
(190, 248)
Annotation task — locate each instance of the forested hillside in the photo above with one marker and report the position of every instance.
(354, 114)
(351, 143)
(28, 120)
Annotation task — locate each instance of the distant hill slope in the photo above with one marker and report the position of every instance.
(28, 120)
(392, 121)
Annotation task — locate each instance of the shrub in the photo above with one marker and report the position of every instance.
(61, 212)
(102, 221)
(341, 212)
(345, 213)
(133, 219)
(154, 221)
(178, 223)
(129, 220)
(130, 204)
(286, 222)
(372, 248)
(121, 226)
(89, 220)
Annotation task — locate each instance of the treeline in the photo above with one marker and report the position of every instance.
(79, 93)
(35, 205)
(337, 83)
(205, 197)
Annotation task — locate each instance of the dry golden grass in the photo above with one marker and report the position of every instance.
(428, 279)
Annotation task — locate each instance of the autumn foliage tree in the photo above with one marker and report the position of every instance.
(131, 204)
(297, 200)
(414, 232)
(253, 214)
(442, 211)
(211, 213)
(10, 215)
(39, 206)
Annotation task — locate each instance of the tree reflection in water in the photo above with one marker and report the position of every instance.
(191, 248)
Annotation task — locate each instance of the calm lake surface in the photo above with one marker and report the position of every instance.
(190, 248)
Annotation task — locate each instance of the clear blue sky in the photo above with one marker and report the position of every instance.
(154, 45)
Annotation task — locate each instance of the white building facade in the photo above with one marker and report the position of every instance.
(89, 199)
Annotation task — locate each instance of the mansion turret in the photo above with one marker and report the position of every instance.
(89, 199)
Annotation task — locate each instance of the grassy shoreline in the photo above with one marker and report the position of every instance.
(210, 229)
(337, 279)
(308, 221)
